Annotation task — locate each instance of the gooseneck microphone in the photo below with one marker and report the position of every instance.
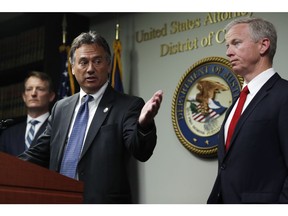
(5, 123)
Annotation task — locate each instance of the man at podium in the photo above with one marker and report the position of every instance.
(91, 135)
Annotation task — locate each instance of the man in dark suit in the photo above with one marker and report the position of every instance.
(119, 126)
(254, 168)
(38, 95)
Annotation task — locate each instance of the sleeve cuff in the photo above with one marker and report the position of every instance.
(145, 131)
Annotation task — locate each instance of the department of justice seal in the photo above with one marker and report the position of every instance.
(201, 99)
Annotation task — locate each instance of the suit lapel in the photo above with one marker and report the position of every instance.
(221, 145)
(255, 101)
(102, 112)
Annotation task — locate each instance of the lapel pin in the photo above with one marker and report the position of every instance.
(105, 110)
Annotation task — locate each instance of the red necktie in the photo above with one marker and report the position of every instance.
(236, 115)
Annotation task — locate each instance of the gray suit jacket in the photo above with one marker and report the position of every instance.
(112, 138)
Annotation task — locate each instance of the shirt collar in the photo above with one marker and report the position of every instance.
(255, 84)
(40, 118)
(98, 94)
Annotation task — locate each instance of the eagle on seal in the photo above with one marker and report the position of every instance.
(206, 96)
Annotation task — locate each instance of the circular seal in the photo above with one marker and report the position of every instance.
(201, 99)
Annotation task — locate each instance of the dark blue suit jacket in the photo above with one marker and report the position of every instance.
(255, 168)
(12, 139)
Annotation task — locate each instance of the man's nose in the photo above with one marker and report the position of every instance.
(229, 52)
(91, 67)
(34, 91)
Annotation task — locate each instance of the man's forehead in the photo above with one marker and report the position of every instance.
(90, 49)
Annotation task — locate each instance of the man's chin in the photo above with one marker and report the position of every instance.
(34, 107)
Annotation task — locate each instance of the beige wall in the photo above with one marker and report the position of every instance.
(173, 174)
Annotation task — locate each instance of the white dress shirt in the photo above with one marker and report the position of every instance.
(41, 120)
(254, 86)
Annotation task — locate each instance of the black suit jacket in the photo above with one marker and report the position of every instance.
(112, 138)
(12, 139)
(255, 168)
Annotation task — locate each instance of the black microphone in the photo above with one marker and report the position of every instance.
(5, 123)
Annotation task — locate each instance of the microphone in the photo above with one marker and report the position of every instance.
(5, 123)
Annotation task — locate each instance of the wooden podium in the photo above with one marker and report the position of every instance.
(22, 182)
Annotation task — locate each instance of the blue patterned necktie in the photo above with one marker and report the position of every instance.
(31, 133)
(73, 148)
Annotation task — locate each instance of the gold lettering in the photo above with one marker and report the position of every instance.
(164, 50)
(220, 36)
(177, 26)
(213, 18)
(171, 49)
(152, 34)
(208, 19)
(207, 41)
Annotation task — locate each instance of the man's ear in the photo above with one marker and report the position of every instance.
(23, 97)
(109, 70)
(264, 45)
(52, 96)
(72, 70)
(71, 66)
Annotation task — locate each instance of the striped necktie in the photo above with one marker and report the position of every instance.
(31, 133)
(74, 145)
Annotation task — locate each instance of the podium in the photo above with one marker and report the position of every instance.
(22, 182)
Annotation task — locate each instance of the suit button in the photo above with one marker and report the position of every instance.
(223, 166)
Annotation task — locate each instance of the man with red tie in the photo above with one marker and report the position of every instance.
(253, 140)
